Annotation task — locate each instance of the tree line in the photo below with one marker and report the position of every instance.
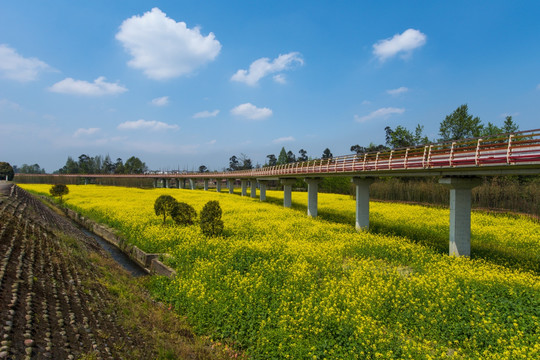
(102, 165)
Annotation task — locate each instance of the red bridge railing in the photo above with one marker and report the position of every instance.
(520, 148)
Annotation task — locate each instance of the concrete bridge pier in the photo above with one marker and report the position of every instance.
(230, 185)
(287, 191)
(253, 183)
(218, 185)
(166, 183)
(243, 184)
(460, 213)
(362, 202)
(313, 189)
(262, 189)
(155, 183)
(192, 184)
(205, 184)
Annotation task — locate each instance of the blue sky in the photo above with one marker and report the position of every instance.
(185, 83)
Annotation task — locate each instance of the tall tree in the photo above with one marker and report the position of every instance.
(233, 163)
(6, 171)
(282, 158)
(303, 155)
(402, 137)
(245, 162)
(108, 165)
(460, 125)
(119, 166)
(509, 125)
(327, 154)
(272, 161)
(290, 157)
(203, 169)
(134, 165)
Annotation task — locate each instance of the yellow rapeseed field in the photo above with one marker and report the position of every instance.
(282, 285)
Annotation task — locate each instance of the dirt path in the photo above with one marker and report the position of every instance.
(53, 303)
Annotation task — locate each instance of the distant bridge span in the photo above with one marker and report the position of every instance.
(459, 163)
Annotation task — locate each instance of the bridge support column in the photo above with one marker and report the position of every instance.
(362, 202)
(155, 183)
(230, 184)
(262, 189)
(218, 185)
(313, 189)
(166, 183)
(205, 184)
(460, 213)
(253, 183)
(287, 191)
(192, 184)
(243, 183)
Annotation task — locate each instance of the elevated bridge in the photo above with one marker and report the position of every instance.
(458, 163)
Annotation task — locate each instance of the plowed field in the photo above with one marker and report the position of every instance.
(52, 302)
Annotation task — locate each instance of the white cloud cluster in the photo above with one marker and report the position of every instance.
(251, 112)
(283, 139)
(85, 132)
(382, 113)
(206, 114)
(398, 91)
(152, 125)
(163, 48)
(160, 101)
(80, 87)
(404, 43)
(16, 67)
(263, 67)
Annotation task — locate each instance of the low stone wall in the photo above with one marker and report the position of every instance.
(149, 262)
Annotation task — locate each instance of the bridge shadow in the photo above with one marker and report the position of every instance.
(435, 237)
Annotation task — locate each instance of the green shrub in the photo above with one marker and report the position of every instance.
(184, 214)
(165, 205)
(59, 190)
(211, 223)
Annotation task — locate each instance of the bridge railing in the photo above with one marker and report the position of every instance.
(504, 149)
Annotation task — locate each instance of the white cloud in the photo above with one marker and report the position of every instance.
(80, 87)
(538, 87)
(152, 125)
(280, 79)
(251, 112)
(381, 113)
(212, 142)
(283, 139)
(206, 114)
(398, 91)
(163, 48)
(404, 43)
(160, 101)
(8, 104)
(84, 132)
(366, 102)
(15, 67)
(263, 67)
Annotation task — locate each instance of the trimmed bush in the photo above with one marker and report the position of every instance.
(211, 223)
(184, 214)
(165, 205)
(59, 190)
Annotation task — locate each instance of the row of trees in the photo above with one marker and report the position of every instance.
(458, 125)
(102, 165)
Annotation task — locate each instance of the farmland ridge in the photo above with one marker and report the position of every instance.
(54, 301)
